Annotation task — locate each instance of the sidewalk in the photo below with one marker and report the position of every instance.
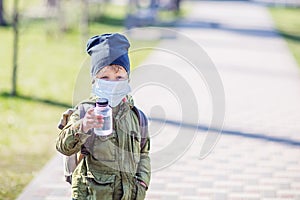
(258, 153)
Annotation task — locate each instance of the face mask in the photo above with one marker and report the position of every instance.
(114, 91)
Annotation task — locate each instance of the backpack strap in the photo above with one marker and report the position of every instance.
(65, 118)
(143, 123)
(81, 111)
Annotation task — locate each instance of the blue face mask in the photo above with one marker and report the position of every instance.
(114, 91)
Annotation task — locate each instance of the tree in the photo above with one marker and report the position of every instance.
(84, 22)
(2, 20)
(15, 47)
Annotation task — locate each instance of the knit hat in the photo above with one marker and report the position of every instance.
(108, 49)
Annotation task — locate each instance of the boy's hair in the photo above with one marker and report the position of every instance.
(116, 68)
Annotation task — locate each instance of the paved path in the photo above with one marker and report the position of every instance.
(258, 154)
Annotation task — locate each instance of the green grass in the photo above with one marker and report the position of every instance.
(28, 132)
(47, 70)
(287, 21)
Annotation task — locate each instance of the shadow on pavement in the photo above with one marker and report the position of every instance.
(217, 25)
(257, 136)
(202, 24)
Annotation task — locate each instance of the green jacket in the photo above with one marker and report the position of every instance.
(116, 162)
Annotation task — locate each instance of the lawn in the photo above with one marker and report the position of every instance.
(47, 70)
(26, 142)
(287, 21)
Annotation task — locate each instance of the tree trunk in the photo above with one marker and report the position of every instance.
(2, 20)
(84, 22)
(15, 47)
(61, 17)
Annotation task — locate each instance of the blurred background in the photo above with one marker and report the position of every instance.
(42, 48)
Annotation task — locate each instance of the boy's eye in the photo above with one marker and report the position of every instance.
(117, 78)
(120, 78)
(104, 77)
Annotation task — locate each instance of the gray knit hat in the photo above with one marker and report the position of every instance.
(108, 49)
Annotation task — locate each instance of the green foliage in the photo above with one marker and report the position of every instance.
(288, 24)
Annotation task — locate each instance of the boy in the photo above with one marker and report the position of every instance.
(116, 166)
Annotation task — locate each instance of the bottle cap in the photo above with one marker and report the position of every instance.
(102, 102)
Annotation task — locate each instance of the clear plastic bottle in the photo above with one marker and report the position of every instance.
(102, 108)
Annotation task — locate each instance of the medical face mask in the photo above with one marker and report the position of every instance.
(114, 91)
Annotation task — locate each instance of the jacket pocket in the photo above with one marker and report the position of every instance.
(100, 186)
(136, 149)
(140, 192)
(104, 148)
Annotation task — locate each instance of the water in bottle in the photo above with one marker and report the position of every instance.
(102, 108)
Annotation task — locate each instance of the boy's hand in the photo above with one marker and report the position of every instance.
(91, 120)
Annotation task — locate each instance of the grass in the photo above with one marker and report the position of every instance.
(26, 142)
(48, 67)
(288, 24)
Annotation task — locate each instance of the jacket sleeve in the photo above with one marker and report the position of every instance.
(71, 137)
(144, 167)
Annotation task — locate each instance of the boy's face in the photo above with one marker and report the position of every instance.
(112, 73)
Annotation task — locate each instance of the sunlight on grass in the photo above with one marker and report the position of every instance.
(288, 23)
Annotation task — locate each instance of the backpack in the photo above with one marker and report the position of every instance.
(71, 162)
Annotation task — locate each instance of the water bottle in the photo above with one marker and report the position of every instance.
(102, 108)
